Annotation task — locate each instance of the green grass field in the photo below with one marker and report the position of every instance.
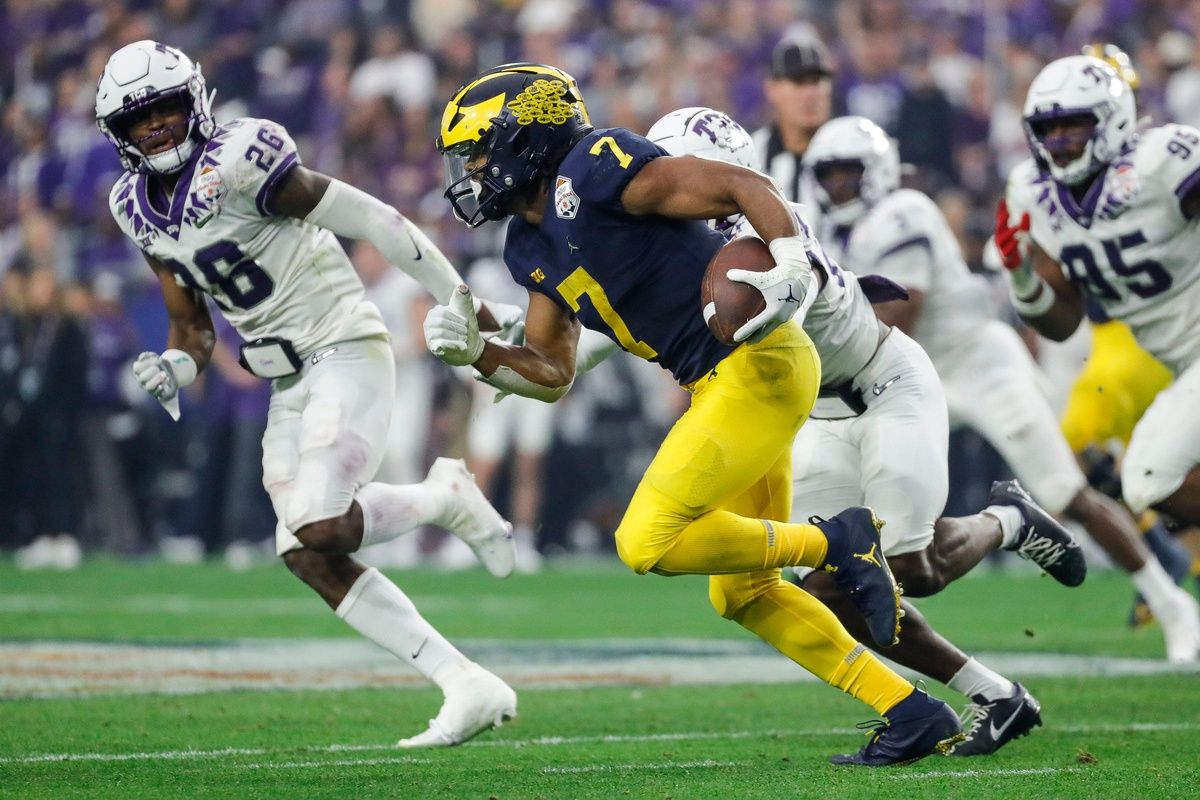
(1105, 735)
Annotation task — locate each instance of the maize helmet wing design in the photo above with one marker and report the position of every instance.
(502, 133)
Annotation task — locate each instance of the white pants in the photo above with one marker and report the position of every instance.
(526, 424)
(993, 385)
(892, 457)
(1165, 444)
(326, 432)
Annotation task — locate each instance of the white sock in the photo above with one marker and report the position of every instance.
(389, 511)
(1010, 520)
(1155, 585)
(976, 679)
(376, 608)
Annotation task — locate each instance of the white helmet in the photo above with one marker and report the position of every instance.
(143, 73)
(856, 140)
(704, 132)
(1073, 86)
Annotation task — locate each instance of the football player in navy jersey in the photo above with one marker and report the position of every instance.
(608, 233)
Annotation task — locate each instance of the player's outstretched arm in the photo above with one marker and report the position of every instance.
(687, 187)
(350, 212)
(190, 341)
(1041, 293)
(543, 367)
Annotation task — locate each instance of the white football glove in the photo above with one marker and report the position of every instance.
(452, 330)
(789, 288)
(162, 376)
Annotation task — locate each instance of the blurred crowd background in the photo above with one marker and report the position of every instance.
(87, 459)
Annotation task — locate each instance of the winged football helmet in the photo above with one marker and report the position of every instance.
(503, 132)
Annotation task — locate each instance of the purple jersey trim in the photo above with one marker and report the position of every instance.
(1083, 210)
(878, 289)
(915, 241)
(173, 220)
(1186, 187)
(272, 182)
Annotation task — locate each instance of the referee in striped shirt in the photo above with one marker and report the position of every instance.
(799, 91)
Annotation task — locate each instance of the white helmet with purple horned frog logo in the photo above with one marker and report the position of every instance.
(138, 76)
(706, 133)
(1083, 88)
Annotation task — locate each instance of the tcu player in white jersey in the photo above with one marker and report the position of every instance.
(989, 378)
(1106, 212)
(878, 437)
(228, 211)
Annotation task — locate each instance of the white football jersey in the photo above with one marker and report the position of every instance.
(269, 275)
(1126, 243)
(841, 322)
(904, 237)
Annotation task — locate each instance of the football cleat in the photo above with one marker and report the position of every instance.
(477, 703)
(1042, 539)
(470, 517)
(989, 725)
(855, 559)
(917, 726)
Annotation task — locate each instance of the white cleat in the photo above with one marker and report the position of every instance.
(479, 703)
(471, 517)
(1181, 628)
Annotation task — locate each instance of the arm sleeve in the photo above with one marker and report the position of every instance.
(353, 213)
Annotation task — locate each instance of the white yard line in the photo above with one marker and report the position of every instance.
(979, 773)
(706, 764)
(545, 741)
(344, 762)
(72, 669)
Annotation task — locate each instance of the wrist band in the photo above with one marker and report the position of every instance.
(1037, 304)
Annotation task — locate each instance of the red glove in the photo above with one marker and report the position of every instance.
(1011, 241)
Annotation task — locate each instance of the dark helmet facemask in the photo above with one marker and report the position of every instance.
(501, 132)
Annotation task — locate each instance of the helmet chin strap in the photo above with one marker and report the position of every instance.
(171, 161)
(1077, 170)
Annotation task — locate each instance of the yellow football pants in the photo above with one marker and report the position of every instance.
(1118, 383)
(713, 501)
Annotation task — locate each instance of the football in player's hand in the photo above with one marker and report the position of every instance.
(726, 304)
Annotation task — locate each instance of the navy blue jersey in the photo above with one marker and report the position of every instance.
(635, 279)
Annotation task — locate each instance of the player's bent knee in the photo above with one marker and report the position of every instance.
(323, 536)
(917, 573)
(730, 594)
(307, 565)
(722, 600)
(631, 552)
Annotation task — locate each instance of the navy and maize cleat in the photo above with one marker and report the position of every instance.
(1042, 539)
(855, 560)
(917, 726)
(989, 725)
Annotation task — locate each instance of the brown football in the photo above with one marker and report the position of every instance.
(726, 304)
